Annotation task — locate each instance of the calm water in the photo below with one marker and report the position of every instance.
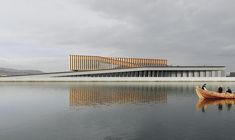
(112, 111)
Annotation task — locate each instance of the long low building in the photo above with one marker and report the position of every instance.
(97, 68)
(167, 71)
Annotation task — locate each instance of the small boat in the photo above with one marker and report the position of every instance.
(206, 94)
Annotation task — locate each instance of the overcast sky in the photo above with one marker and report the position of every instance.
(40, 34)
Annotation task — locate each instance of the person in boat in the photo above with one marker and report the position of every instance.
(220, 89)
(229, 90)
(204, 87)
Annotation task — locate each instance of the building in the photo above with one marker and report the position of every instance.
(99, 66)
(117, 69)
(232, 74)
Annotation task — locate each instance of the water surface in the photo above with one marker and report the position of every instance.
(112, 111)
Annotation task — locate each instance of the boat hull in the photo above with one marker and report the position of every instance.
(205, 94)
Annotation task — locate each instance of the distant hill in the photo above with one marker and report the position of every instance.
(11, 72)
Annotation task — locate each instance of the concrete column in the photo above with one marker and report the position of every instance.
(160, 73)
(136, 74)
(179, 74)
(173, 74)
(202, 74)
(163, 73)
(143, 74)
(219, 73)
(131, 74)
(185, 74)
(146, 74)
(223, 74)
(212, 73)
(152, 73)
(208, 74)
(196, 73)
(166, 73)
(190, 74)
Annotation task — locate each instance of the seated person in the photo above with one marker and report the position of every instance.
(220, 89)
(204, 87)
(229, 90)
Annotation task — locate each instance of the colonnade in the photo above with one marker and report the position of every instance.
(159, 73)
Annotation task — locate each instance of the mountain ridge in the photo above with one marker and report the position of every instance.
(11, 72)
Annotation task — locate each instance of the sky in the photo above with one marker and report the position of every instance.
(41, 34)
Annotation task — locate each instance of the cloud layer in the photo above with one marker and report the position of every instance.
(41, 34)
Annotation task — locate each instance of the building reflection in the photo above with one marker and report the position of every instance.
(90, 96)
(221, 104)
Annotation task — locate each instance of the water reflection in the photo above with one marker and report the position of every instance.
(136, 111)
(90, 96)
(202, 104)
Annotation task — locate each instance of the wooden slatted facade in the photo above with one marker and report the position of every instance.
(86, 63)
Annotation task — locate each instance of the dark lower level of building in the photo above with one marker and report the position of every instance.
(148, 73)
(232, 74)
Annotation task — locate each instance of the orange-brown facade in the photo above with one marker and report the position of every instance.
(82, 62)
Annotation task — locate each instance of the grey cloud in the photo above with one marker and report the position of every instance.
(187, 32)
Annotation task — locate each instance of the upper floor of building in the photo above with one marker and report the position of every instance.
(87, 63)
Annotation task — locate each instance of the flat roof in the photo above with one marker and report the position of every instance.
(131, 69)
(204, 66)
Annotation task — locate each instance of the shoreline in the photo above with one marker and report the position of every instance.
(116, 79)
